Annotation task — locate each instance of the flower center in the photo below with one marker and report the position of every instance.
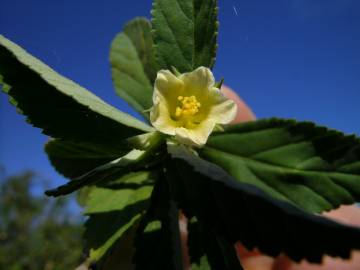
(189, 106)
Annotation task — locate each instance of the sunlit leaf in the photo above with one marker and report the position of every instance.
(139, 32)
(112, 211)
(133, 65)
(185, 33)
(313, 167)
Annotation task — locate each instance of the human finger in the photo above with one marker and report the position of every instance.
(244, 113)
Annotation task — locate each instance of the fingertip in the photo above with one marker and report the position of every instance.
(244, 113)
(349, 214)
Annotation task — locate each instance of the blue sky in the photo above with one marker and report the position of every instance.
(286, 58)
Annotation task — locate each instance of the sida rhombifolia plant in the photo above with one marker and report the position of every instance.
(262, 183)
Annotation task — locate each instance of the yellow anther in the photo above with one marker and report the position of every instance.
(189, 106)
(178, 111)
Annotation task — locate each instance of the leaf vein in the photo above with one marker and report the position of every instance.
(177, 43)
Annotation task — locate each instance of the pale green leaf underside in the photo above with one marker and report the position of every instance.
(62, 108)
(113, 211)
(185, 33)
(313, 167)
(138, 31)
(131, 188)
(130, 58)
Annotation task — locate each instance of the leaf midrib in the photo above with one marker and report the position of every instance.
(174, 36)
(251, 162)
(278, 167)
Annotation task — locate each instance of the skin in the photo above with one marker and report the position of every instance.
(254, 260)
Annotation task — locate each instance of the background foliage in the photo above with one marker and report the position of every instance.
(36, 232)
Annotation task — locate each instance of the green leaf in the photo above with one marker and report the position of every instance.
(206, 31)
(185, 33)
(114, 169)
(120, 255)
(139, 32)
(209, 251)
(133, 66)
(242, 212)
(146, 141)
(113, 211)
(75, 159)
(202, 265)
(158, 244)
(103, 230)
(313, 167)
(134, 160)
(132, 187)
(62, 108)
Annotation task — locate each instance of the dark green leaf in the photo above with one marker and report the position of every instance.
(313, 167)
(228, 252)
(120, 255)
(135, 160)
(158, 244)
(113, 211)
(106, 172)
(102, 230)
(62, 108)
(131, 59)
(242, 212)
(75, 159)
(209, 251)
(185, 33)
(206, 31)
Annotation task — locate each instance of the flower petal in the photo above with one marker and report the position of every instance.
(167, 88)
(189, 106)
(198, 81)
(160, 117)
(223, 110)
(197, 136)
(167, 85)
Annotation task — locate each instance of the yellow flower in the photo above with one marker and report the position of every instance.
(189, 106)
